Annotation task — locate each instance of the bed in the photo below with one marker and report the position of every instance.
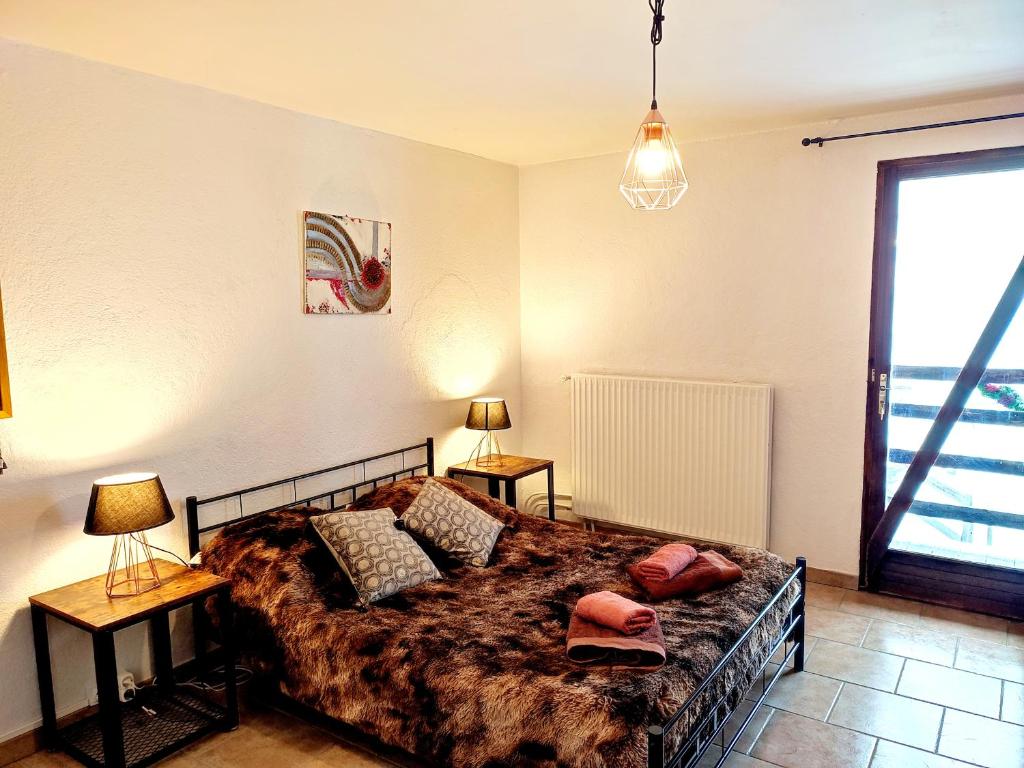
(471, 670)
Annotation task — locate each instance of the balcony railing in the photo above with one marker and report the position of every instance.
(995, 416)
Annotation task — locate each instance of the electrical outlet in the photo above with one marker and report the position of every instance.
(126, 686)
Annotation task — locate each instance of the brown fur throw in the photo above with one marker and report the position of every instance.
(471, 670)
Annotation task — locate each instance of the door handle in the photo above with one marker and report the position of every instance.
(883, 394)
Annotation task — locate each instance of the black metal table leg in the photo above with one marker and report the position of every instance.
(200, 636)
(493, 488)
(110, 704)
(45, 675)
(551, 492)
(228, 647)
(510, 493)
(160, 628)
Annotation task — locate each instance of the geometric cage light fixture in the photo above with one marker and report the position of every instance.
(654, 179)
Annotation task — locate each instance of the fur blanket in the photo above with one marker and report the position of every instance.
(471, 670)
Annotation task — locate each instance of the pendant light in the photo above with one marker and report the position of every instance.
(654, 178)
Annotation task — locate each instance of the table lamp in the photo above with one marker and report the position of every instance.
(125, 506)
(488, 414)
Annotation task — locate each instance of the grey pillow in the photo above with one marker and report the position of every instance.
(451, 523)
(379, 559)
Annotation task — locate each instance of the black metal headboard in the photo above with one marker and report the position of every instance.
(409, 466)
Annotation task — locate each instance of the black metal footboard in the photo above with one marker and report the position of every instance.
(704, 715)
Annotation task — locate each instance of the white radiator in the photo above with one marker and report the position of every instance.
(682, 457)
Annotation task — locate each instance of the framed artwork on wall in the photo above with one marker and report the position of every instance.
(347, 265)
(5, 383)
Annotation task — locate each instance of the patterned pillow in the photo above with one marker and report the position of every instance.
(451, 523)
(379, 559)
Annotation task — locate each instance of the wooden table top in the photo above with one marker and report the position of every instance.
(511, 467)
(85, 603)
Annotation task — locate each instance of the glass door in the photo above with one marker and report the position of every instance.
(944, 450)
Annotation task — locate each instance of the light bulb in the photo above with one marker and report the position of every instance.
(652, 159)
(654, 178)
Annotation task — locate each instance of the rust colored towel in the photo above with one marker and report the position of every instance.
(616, 612)
(667, 562)
(709, 571)
(590, 643)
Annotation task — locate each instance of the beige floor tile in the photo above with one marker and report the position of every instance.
(880, 607)
(804, 693)
(979, 740)
(263, 745)
(809, 642)
(1015, 634)
(735, 760)
(343, 755)
(992, 659)
(753, 729)
(888, 716)
(46, 759)
(835, 625)
(890, 755)
(962, 623)
(739, 760)
(1013, 703)
(951, 688)
(755, 690)
(912, 642)
(825, 596)
(855, 665)
(793, 741)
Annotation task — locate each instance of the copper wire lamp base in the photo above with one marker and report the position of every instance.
(493, 457)
(131, 570)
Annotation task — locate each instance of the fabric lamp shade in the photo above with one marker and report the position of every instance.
(488, 413)
(127, 503)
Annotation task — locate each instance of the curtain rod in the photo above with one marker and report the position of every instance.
(970, 121)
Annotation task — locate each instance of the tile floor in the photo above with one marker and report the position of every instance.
(888, 684)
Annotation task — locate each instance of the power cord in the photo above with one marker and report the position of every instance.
(137, 540)
(158, 709)
(656, 35)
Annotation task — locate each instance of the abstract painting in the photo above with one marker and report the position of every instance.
(348, 265)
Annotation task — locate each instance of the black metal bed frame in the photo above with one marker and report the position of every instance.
(193, 504)
(701, 720)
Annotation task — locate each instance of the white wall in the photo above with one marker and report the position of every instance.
(150, 268)
(762, 273)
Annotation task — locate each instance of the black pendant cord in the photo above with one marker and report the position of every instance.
(656, 35)
(820, 141)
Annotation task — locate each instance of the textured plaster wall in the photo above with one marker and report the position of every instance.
(762, 273)
(150, 269)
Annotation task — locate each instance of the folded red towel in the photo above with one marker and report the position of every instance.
(667, 562)
(708, 571)
(616, 612)
(590, 643)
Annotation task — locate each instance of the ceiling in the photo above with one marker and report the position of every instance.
(531, 81)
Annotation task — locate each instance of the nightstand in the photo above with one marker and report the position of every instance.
(127, 735)
(512, 468)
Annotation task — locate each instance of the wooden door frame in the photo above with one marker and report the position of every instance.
(890, 174)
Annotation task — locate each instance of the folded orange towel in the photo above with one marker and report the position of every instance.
(590, 643)
(708, 571)
(616, 612)
(667, 562)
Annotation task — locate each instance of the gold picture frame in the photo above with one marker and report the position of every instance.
(5, 382)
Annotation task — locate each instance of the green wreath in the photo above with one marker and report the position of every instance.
(1006, 396)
